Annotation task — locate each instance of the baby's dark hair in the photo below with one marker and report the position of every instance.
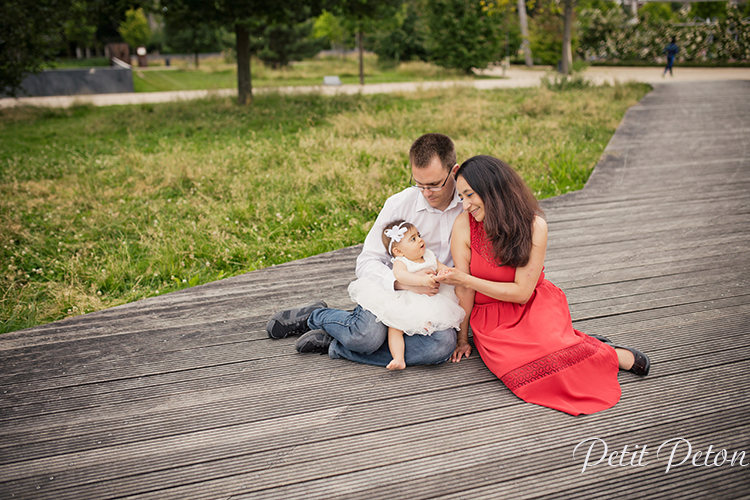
(387, 239)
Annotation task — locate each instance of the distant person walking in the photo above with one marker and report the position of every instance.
(671, 50)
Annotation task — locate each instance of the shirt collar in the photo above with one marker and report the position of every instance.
(423, 205)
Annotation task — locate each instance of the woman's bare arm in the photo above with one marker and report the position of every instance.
(518, 291)
(461, 252)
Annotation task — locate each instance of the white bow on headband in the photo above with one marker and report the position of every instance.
(396, 233)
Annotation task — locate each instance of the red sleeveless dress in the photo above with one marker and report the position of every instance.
(533, 348)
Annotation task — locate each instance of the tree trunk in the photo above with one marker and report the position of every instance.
(196, 59)
(361, 47)
(244, 85)
(567, 56)
(525, 33)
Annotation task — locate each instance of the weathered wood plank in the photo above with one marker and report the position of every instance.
(183, 396)
(134, 460)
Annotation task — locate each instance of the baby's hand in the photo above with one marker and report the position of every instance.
(430, 280)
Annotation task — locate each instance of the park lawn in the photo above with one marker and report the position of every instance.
(213, 75)
(183, 79)
(103, 206)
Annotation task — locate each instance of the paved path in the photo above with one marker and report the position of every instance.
(514, 77)
(183, 396)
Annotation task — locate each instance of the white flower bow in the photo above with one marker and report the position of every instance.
(396, 233)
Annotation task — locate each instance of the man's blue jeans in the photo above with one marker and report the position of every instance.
(359, 336)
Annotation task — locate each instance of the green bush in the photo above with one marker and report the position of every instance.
(462, 35)
(609, 36)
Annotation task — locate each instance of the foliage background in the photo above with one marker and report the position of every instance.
(606, 34)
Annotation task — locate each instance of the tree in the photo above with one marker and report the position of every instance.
(547, 31)
(30, 35)
(282, 43)
(462, 35)
(705, 10)
(186, 31)
(78, 27)
(135, 29)
(194, 39)
(403, 36)
(525, 33)
(107, 16)
(244, 17)
(502, 9)
(659, 11)
(332, 28)
(361, 15)
(567, 53)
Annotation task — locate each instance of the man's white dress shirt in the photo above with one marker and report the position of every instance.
(434, 225)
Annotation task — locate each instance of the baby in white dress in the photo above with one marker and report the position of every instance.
(406, 312)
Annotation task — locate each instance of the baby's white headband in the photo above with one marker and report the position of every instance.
(396, 234)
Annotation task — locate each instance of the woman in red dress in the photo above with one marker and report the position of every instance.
(521, 322)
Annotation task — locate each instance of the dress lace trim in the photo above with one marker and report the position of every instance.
(551, 363)
(479, 242)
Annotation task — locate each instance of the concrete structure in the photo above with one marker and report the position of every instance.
(78, 81)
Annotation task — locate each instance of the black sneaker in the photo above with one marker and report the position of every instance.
(313, 341)
(292, 321)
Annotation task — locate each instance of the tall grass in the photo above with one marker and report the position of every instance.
(102, 206)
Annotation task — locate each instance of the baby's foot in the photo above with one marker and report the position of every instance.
(396, 364)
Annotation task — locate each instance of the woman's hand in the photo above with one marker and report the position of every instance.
(452, 276)
(463, 350)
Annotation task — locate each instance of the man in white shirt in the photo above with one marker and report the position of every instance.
(431, 204)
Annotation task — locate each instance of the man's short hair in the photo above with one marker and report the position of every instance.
(427, 147)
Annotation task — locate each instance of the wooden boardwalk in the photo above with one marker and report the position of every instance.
(183, 396)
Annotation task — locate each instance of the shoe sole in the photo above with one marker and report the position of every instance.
(278, 325)
(310, 342)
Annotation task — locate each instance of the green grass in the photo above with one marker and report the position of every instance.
(216, 74)
(78, 63)
(102, 206)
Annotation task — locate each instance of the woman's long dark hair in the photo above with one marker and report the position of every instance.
(509, 208)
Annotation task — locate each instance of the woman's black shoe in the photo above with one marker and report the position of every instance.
(641, 363)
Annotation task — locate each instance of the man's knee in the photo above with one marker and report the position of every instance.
(357, 330)
(367, 337)
(445, 345)
(432, 350)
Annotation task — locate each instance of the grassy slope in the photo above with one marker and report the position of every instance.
(101, 206)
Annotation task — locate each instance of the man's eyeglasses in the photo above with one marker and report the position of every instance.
(429, 188)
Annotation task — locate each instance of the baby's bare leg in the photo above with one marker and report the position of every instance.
(396, 346)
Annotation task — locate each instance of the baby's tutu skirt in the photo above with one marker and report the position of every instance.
(414, 313)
